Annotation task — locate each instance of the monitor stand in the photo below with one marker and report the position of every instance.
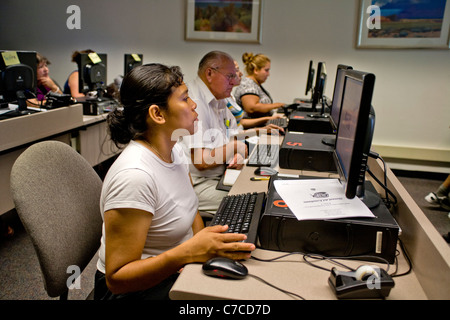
(320, 115)
(369, 198)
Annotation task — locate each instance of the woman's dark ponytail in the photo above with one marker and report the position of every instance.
(141, 87)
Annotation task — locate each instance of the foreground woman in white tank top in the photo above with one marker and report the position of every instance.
(152, 227)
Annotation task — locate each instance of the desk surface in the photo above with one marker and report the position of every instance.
(290, 273)
(18, 131)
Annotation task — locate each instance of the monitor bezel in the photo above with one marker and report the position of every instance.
(319, 85)
(341, 68)
(27, 58)
(128, 58)
(358, 160)
(310, 78)
(83, 61)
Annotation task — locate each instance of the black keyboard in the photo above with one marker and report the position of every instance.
(241, 213)
(264, 155)
(281, 122)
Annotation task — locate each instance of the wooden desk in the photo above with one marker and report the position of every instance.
(87, 134)
(429, 253)
(93, 140)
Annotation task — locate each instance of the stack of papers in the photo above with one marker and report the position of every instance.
(320, 199)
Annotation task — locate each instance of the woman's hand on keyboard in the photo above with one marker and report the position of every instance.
(212, 242)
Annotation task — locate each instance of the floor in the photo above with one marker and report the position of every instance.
(418, 186)
(20, 277)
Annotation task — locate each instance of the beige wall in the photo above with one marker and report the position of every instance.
(411, 92)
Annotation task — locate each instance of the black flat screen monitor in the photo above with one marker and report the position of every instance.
(337, 95)
(354, 134)
(310, 78)
(319, 86)
(92, 70)
(131, 60)
(337, 101)
(18, 79)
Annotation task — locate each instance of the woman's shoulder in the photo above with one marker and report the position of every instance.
(246, 81)
(74, 73)
(246, 86)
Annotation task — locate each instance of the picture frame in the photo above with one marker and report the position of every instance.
(404, 24)
(223, 20)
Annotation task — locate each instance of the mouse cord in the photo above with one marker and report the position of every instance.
(275, 287)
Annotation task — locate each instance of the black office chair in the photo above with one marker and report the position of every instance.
(56, 193)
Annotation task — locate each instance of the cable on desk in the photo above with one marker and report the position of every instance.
(276, 258)
(275, 287)
(329, 259)
(408, 260)
(332, 260)
(388, 192)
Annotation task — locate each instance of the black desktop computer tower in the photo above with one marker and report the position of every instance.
(305, 121)
(306, 151)
(280, 230)
(93, 107)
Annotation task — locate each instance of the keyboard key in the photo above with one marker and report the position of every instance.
(241, 213)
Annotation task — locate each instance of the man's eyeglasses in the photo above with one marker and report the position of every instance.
(230, 76)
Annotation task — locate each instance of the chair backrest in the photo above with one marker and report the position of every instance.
(56, 193)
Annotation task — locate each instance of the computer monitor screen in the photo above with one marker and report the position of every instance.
(319, 86)
(337, 95)
(132, 60)
(310, 78)
(355, 131)
(18, 79)
(335, 112)
(92, 70)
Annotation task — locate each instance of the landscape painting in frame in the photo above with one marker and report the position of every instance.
(404, 24)
(224, 20)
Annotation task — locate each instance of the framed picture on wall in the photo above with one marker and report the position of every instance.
(402, 24)
(224, 20)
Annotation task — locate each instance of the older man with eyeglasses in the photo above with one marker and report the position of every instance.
(213, 147)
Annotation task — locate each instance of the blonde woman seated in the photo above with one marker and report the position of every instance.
(250, 94)
(250, 126)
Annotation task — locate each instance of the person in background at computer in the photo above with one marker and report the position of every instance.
(151, 225)
(242, 120)
(250, 94)
(213, 149)
(72, 83)
(45, 84)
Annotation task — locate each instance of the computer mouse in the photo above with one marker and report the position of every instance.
(265, 171)
(226, 268)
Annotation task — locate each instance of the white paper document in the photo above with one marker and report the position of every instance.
(320, 199)
(10, 107)
(231, 176)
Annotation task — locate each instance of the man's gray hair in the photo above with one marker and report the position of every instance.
(212, 60)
